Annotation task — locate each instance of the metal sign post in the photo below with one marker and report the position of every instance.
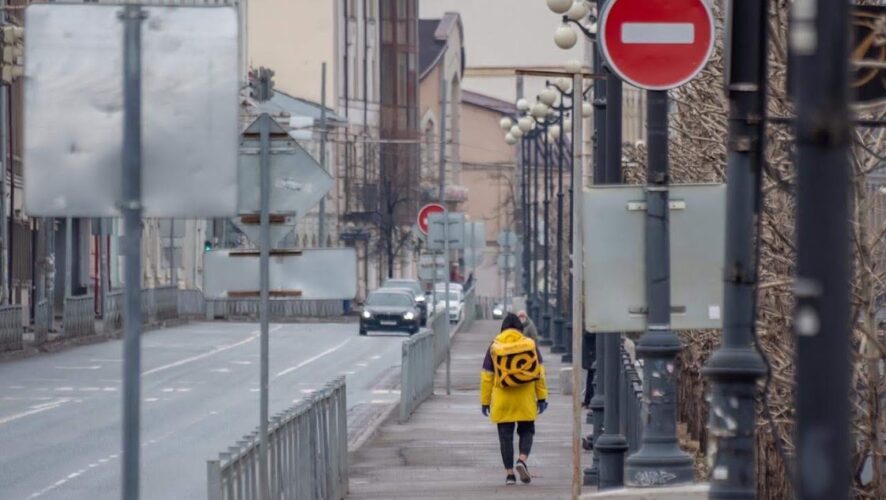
(132, 247)
(264, 278)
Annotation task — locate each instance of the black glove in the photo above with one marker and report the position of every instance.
(542, 406)
(485, 410)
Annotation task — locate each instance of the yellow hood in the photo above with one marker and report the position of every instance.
(514, 358)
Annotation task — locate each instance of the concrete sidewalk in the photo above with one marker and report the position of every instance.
(448, 450)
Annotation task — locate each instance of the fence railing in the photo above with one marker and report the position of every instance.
(79, 316)
(11, 328)
(280, 309)
(42, 322)
(307, 453)
(440, 327)
(165, 303)
(470, 308)
(114, 311)
(631, 408)
(417, 371)
(191, 304)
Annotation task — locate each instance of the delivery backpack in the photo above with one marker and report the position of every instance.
(515, 363)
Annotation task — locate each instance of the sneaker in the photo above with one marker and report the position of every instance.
(523, 471)
(511, 480)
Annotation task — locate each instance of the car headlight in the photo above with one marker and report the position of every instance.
(367, 314)
(420, 298)
(408, 316)
(496, 311)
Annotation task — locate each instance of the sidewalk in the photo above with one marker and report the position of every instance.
(448, 450)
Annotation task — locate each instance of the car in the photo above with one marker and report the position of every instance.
(456, 305)
(415, 287)
(452, 286)
(390, 310)
(498, 311)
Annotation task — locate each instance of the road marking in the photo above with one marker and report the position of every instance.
(311, 360)
(35, 409)
(252, 336)
(90, 367)
(241, 362)
(657, 33)
(221, 370)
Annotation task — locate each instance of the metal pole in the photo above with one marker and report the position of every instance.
(822, 311)
(559, 346)
(659, 461)
(597, 404)
(264, 294)
(69, 255)
(6, 168)
(736, 366)
(105, 271)
(535, 302)
(612, 444)
(544, 335)
(321, 217)
(442, 195)
(577, 280)
(173, 281)
(132, 220)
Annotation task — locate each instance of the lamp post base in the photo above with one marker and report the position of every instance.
(558, 347)
(665, 466)
(544, 334)
(590, 476)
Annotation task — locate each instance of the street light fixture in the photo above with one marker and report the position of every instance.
(578, 11)
(522, 105)
(510, 139)
(573, 66)
(516, 131)
(565, 37)
(547, 96)
(525, 123)
(559, 6)
(505, 123)
(539, 110)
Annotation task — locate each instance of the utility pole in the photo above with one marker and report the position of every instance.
(6, 168)
(659, 461)
(820, 47)
(442, 195)
(612, 445)
(736, 366)
(544, 336)
(321, 217)
(69, 255)
(577, 278)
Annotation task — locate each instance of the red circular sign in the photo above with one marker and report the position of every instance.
(425, 211)
(656, 44)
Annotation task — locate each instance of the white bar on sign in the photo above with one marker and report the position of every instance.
(680, 33)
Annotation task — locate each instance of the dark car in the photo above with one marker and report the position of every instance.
(390, 310)
(415, 287)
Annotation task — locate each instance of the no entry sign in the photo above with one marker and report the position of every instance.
(656, 44)
(423, 214)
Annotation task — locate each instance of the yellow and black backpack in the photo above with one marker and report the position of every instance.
(515, 363)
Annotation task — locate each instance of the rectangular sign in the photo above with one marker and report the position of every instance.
(318, 273)
(614, 236)
(437, 231)
(73, 110)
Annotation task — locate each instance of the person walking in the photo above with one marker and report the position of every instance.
(513, 393)
(529, 329)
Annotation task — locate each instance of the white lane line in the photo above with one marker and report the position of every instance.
(311, 360)
(253, 335)
(90, 367)
(35, 409)
(657, 33)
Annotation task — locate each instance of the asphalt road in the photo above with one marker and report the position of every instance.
(60, 433)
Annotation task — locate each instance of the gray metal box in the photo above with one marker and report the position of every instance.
(615, 292)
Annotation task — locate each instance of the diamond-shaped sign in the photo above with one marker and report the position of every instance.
(298, 182)
(252, 229)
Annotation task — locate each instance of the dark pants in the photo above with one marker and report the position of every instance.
(526, 430)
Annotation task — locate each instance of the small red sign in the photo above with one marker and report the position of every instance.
(425, 211)
(656, 44)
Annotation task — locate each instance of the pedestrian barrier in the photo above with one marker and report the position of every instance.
(11, 328)
(42, 322)
(191, 304)
(148, 305)
(440, 327)
(165, 303)
(307, 453)
(114, 312)
(279, 309)
(417, 370)
(470, 308)
(79, 316)
(631, 408)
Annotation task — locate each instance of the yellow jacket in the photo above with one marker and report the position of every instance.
(512, 379)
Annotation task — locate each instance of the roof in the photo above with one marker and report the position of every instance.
(488, 102)
(432, 37)
(282, 102)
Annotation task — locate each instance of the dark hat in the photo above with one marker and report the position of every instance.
(512, 322)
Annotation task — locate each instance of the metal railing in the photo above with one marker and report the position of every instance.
(470, 308)
(191, 304)
(280, 309)
(417, 371)
(79, 316)
(631, 407)
(114, 312)
(307, 453)
(11, 328)
(165, 303)
(148, 305)
(42, 322)
(440, 327)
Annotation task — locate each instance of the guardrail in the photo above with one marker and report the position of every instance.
(280, 309)
(417, 371)
(631, 409)
(11, 328)
(114, 311)
(42, 322)
(440, 327)
(191, 304)
(470, 308)
(165, 303)
(307, 453)
(78, 319)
